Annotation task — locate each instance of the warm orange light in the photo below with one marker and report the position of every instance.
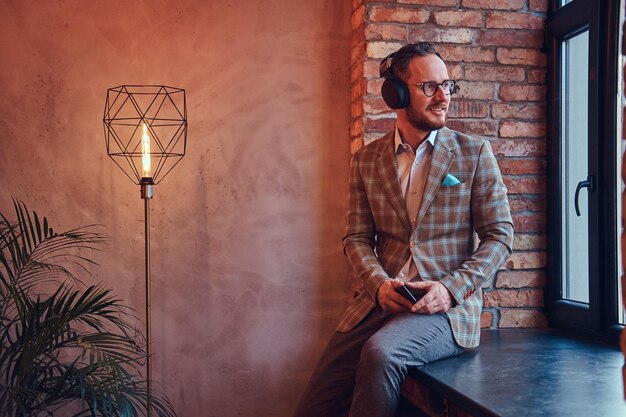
(145, 153)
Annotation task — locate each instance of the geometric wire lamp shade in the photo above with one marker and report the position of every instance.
(145, 128)
(145, 121)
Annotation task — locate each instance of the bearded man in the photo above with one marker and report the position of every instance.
(417, 198)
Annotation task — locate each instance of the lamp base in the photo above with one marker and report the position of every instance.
(146, 187)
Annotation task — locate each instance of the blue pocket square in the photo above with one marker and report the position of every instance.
(450, 180)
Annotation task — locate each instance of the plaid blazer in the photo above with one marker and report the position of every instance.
(379, 238)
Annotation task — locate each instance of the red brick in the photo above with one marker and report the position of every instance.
(486, 319)
(519, 38)
(525, 203)
(525, 185)
(519, 147)
(373, 86)
(357, 35)
(523, 241)
(458, 35)
(357, 53)
(493, 4)
(522, 166)
(495, 73)
(523, 92)
(358, 16)
(379, 124)
(471, 109)
(375, 105)
(527, 111)
(356, 72)
(514, 20)
(431, 2)
(381, 49)
(476, 90)
(530, 222)
(522, 130)
(356, 109)
(471, 127)
(527, 260)
(371, 68)
(465, 54)
(398, 14)
(537, 76)
(533, 222)
(458, 18)
(521, 56)
(358, 88)
(455, 71)
(521, 279)
(374, 31)
(538, 5)
(513, 298)
(517, 317)
(356, 127)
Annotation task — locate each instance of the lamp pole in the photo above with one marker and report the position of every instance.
(146, 195)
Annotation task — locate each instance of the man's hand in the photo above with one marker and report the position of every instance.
(390, 300)
(437, 300)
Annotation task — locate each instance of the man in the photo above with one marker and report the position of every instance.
(416, 198)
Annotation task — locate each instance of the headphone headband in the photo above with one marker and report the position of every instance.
(385, 67)
(394, 91)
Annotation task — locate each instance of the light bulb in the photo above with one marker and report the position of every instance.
(145, 153)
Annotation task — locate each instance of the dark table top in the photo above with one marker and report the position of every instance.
(531, 372)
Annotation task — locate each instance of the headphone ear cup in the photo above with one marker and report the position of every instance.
(395, 93)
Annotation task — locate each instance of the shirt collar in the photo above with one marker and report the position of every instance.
(398, 140)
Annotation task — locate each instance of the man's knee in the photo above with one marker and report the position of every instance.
(379, 356)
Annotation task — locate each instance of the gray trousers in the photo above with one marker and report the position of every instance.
(360, 372)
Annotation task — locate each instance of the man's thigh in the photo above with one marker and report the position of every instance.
(414, 339)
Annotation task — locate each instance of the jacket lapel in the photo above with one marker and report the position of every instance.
(439, 167)
(387, 169)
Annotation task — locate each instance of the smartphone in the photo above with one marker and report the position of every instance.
(413, 295)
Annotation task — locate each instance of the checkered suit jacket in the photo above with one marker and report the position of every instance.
(379, 238)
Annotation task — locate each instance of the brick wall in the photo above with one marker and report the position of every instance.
(493, 48)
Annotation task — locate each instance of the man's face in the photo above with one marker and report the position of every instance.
(426, 113)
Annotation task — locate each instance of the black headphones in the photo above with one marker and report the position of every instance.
(395, 92)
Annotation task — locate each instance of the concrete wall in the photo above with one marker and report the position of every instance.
(249, 278)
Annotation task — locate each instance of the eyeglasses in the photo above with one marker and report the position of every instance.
(430, 87)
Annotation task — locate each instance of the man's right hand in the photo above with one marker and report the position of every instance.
(390, 300)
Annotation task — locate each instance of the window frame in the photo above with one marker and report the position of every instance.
(598, 319)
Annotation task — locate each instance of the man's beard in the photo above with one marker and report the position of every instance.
(422, 122)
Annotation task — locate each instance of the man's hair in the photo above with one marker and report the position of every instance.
(402, 58)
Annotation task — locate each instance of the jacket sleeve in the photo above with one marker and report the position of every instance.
(360, 238)
(493, 224)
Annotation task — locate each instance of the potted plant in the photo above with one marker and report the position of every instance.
(66, 348)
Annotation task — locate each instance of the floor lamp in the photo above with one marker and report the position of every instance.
(145, 128)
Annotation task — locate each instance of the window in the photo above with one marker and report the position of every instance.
(574, 141)
(584, 167)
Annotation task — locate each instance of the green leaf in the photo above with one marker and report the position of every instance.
(73, 345)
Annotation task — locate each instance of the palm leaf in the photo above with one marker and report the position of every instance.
(71, 346)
